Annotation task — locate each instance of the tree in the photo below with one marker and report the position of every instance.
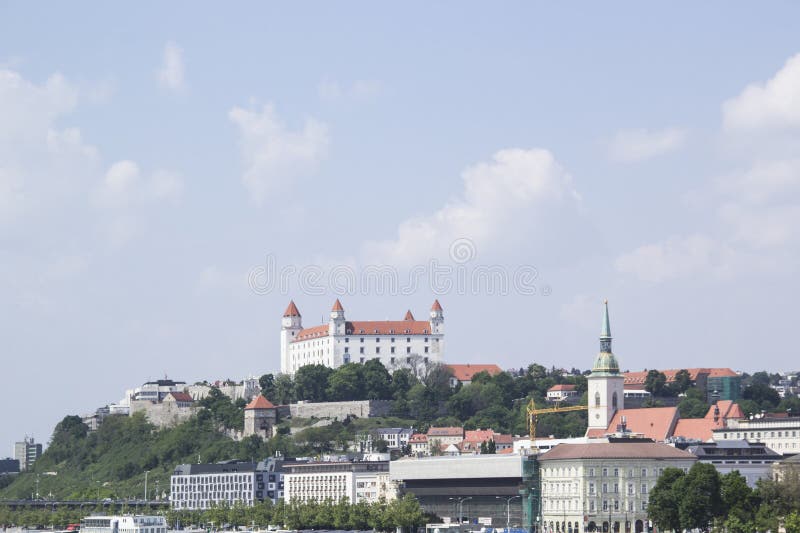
(402, 381)
(683, 380)
(311, 383)
(346, 383)
(792, 522)
(284, 390)
(765, 396)
(664, 500)
(377, 381)
(655, 382)
(267, 384)
(700, 500)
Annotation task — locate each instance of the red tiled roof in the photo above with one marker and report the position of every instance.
(436, 306)
(640, 377)
(615, 450)
(291, 310)
(655, 423)
(478, 435)
(565, 387)
(445, 432)
(311, 333)
(500, 438)
(370, 327)
(694, 429)
(408, 316)
(337, 306)
(418, 438)
(181, 396)
(505, 450)
(465, 372)
(259, 402)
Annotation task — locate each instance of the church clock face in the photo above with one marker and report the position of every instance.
(597, 416)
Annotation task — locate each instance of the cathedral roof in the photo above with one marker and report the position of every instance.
(657, 423)
(605, 363)
(291, 310)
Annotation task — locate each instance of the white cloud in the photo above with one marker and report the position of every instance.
(119, 185)
(581, 310)
(165, 185)
(678, 257)
(640, 144)
(774, 104)
(273, 155)
(515, 184)
(171, 73)
(334, 91)
(40, 164)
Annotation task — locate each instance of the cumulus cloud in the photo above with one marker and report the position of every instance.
(774, 104)
(274, 155)
(640, 144)
(166, 185)
(40, 163)
(678, 257)
(496, 194)
(118, 186)
(171, 72)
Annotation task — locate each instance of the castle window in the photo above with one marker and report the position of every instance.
(378, 349)
(408, 350)
(408, 339)
(377, 339)
(392, 337)
(347, 339)
(392, 349)
(361, 349)
(346, 349)
(362, 339)
(426, 339)
(426, 349)
(614, 400)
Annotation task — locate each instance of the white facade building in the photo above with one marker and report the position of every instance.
(586, 487)
(333, 480)
(124, 524)
(780, 434)
(202, 486)
(393, 342)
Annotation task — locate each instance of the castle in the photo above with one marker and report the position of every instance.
(394, 342)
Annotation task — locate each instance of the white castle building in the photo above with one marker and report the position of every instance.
(340, 341)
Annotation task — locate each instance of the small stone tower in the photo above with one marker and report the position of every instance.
(260, 416)
(437, 318)
(336, 326)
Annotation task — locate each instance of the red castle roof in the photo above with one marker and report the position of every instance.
(259, 402)
(337, 306)
(291, 310)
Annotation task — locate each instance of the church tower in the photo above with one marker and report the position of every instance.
(437, 318)
(606, 384)
(291, 325)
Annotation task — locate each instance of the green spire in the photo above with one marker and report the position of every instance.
(606, 331)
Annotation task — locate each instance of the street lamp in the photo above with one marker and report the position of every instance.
(508, 508)
(145, 485)
(459, 502)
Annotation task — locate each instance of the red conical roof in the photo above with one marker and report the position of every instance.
(409, 316)
(337, 306)
(291, 310)
(436, 306)
(259, 402)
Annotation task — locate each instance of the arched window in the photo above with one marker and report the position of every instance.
(614, 400)
(597, 399)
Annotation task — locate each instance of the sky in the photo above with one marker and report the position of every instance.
(171, 175)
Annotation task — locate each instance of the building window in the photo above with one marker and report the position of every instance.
(616, 472)
(597, 399)
(426, 339)
(644, 472)
(362, 339)
(392, 350)
(644, 488)
(377, 339)
(591, 488)
(605, 472)
(361, 350)
(591, 472)
(605, 505)
(392, 339)
(347, 339)
(630, 489)
(378, 349)
(616, 505)
(426, 349)
(644, 506)
(346, 349)
(605, 488)
(408, 350)
(591, 505)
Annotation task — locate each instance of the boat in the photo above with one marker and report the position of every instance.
(124, 524)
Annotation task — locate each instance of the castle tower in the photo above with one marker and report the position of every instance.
(291, 325)
(336, 326)
(606, 384)
(437, 318)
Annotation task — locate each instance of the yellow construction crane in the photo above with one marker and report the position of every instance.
(533, 412)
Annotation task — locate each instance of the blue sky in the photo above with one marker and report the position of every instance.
(151, 158)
